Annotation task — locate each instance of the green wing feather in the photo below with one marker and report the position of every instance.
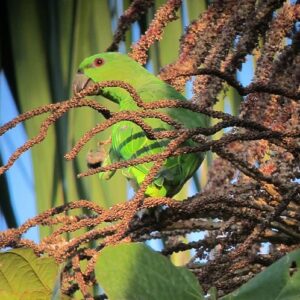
(130, 141)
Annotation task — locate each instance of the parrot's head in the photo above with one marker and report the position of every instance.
(104, 67)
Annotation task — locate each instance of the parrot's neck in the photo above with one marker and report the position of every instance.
(122, 96)
(149, 88)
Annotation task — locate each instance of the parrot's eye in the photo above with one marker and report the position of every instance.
(98, 62)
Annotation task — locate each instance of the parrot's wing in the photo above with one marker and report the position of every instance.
(176, 170)
(130, 141)
(159, 90)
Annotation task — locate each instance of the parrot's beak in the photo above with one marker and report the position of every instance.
(81, 81)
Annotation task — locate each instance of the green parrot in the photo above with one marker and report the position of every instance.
(128, 140)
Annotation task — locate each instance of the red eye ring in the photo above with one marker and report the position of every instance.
(98, 62)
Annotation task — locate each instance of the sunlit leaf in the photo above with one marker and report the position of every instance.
(195, 8)
(23, 275)
(5, 204)
(280, 281)
(134, 271)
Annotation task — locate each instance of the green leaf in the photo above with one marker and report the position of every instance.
(195, 8)
(134, 271)
(234, 99)
(280, 281)
(212, 294)
(4, 295)
(23, 275)
(168, 47)
(6, 208)
(54, 38)
(30, 87)
(166, 50)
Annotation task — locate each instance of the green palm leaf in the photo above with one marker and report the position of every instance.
(46, 48)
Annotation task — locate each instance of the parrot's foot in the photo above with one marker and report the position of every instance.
(106, 142)
(96, 157)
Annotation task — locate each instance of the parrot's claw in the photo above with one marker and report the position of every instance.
(95, 158)
(106, 142)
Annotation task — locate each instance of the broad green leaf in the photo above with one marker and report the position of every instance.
(280, 281)
(212, 294)
(31, 87)
(23, 275)
(4, 295)
(195, 8)
(235, 100)
(166, 50)
(134, 271)
(48, 41)
(5, 204)
(35, 295)
(128, 35)
(168, 47)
